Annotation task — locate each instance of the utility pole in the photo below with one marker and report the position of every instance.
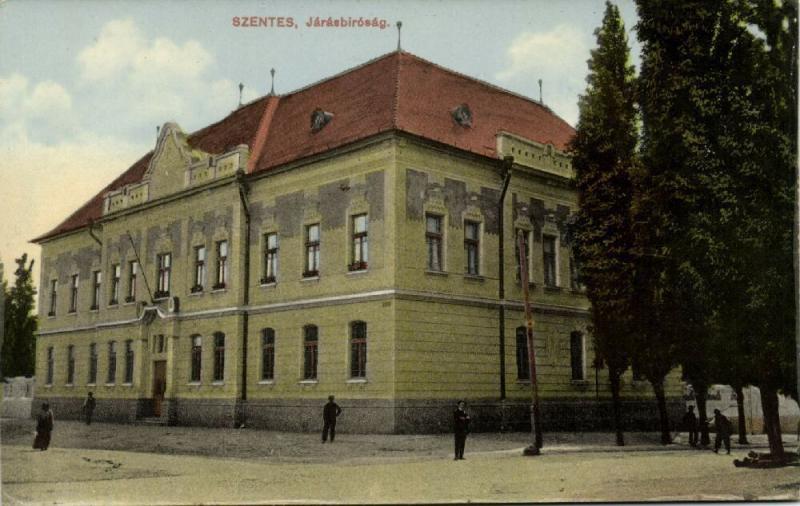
(536, 425)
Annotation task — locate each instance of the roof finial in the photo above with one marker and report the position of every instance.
(399, 26)
(241, 87)
(272, 86)
(540, 92)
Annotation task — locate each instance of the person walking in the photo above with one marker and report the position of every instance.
(44, 428)
(724, 430)
(690, 425)
(461, 429)
(88, 408)
(329, 414)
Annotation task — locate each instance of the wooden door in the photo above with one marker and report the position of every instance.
(159, 385)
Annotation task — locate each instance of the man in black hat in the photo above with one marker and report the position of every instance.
(461, 429)
(329, 414)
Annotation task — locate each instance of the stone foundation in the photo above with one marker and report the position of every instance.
(106, 410)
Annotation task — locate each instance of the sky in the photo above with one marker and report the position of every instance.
(85, 83)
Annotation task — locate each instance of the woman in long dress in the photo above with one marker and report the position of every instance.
(44, 427)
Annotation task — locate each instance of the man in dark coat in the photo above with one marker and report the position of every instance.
(44, 427)
(329, 414)
(461, 429)
(88, 408)
(724, 430)
(690, 425)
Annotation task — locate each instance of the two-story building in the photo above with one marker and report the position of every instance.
(341, 239)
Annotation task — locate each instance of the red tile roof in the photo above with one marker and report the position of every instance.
(398, 91)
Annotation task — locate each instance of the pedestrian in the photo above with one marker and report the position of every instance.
(329, 414)
(724, 430)
(690, 425)
(88, 408)
(460, 429)
(44, 427)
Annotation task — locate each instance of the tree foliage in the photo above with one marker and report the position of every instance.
(19, 343)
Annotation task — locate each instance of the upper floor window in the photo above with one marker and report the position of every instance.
(50, 366)
(70, 364)
(549, 260)
(133, 271)
(53, 297)
(433, 238)
(312, 251)
(270, 258)
(164, 264)
(116, 274)
(112, 362)
(472, 236)
(267, 354)
(219, 356)
(73, 293)
(577, 354)
(310, 342)
(197, 358)
(222, 265)
(360, 243)
(199, 269)
(97, 279)
(526, 241)
(358, 349)
(92, 364)
(523, 361)
(129, 361)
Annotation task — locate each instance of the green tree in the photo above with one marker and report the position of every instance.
(603, 155)
(19, 343)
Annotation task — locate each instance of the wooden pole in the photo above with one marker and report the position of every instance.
(536, 429)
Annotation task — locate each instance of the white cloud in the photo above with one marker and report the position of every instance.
(44, 107)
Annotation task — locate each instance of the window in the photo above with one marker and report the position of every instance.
(267, 354)
(50, 365)
(312, 251)
(97, 278)
(164, 262)
(199, 269)
(549, 259)
(70, 364)
(433, 238)
(222, 265)
(133, 270)
(577, 355)
(523, 362)
(129, 361)
(219, 356)
(92, 364)
(310, 342)
(53, 297)
(472, 247)
(270, 258)
(116, 274)
(526, 240)
(73, 294)
(358, 349)
(360, 244)
(197, 356)
(112, 362)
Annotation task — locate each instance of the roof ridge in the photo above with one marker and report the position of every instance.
(262, 131)
(224, 118)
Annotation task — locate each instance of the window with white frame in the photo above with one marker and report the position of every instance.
(196, 358)
(222, 265)
(312, 251)
(97, 279)
(116, 274)
(472, 246)
(270, 258)
(133, 271)
(360, 243)
(199, 269)
(53, 297)
(164, 266)
(433, 240)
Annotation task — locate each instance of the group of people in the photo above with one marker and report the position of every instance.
(722, 426)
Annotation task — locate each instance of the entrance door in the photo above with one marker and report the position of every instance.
(159, 385)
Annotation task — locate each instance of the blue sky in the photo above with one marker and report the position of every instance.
(83, 84)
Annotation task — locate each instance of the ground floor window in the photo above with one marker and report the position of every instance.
(523, 364)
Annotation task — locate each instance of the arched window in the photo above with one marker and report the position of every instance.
(197, 356)
(267, 354)
(310, 342)
(523, 364)
(219, 356)
(358, 349)
(577, 355)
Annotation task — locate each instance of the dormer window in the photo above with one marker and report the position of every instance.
(319, 119)
(462, 115)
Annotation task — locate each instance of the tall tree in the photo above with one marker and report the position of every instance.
(19, 343)
(603, 155)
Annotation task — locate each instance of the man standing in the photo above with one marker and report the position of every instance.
(88, 408)
(690, 425)
(724, 429)
(329, 414)
(44, 427)
(461, 429)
